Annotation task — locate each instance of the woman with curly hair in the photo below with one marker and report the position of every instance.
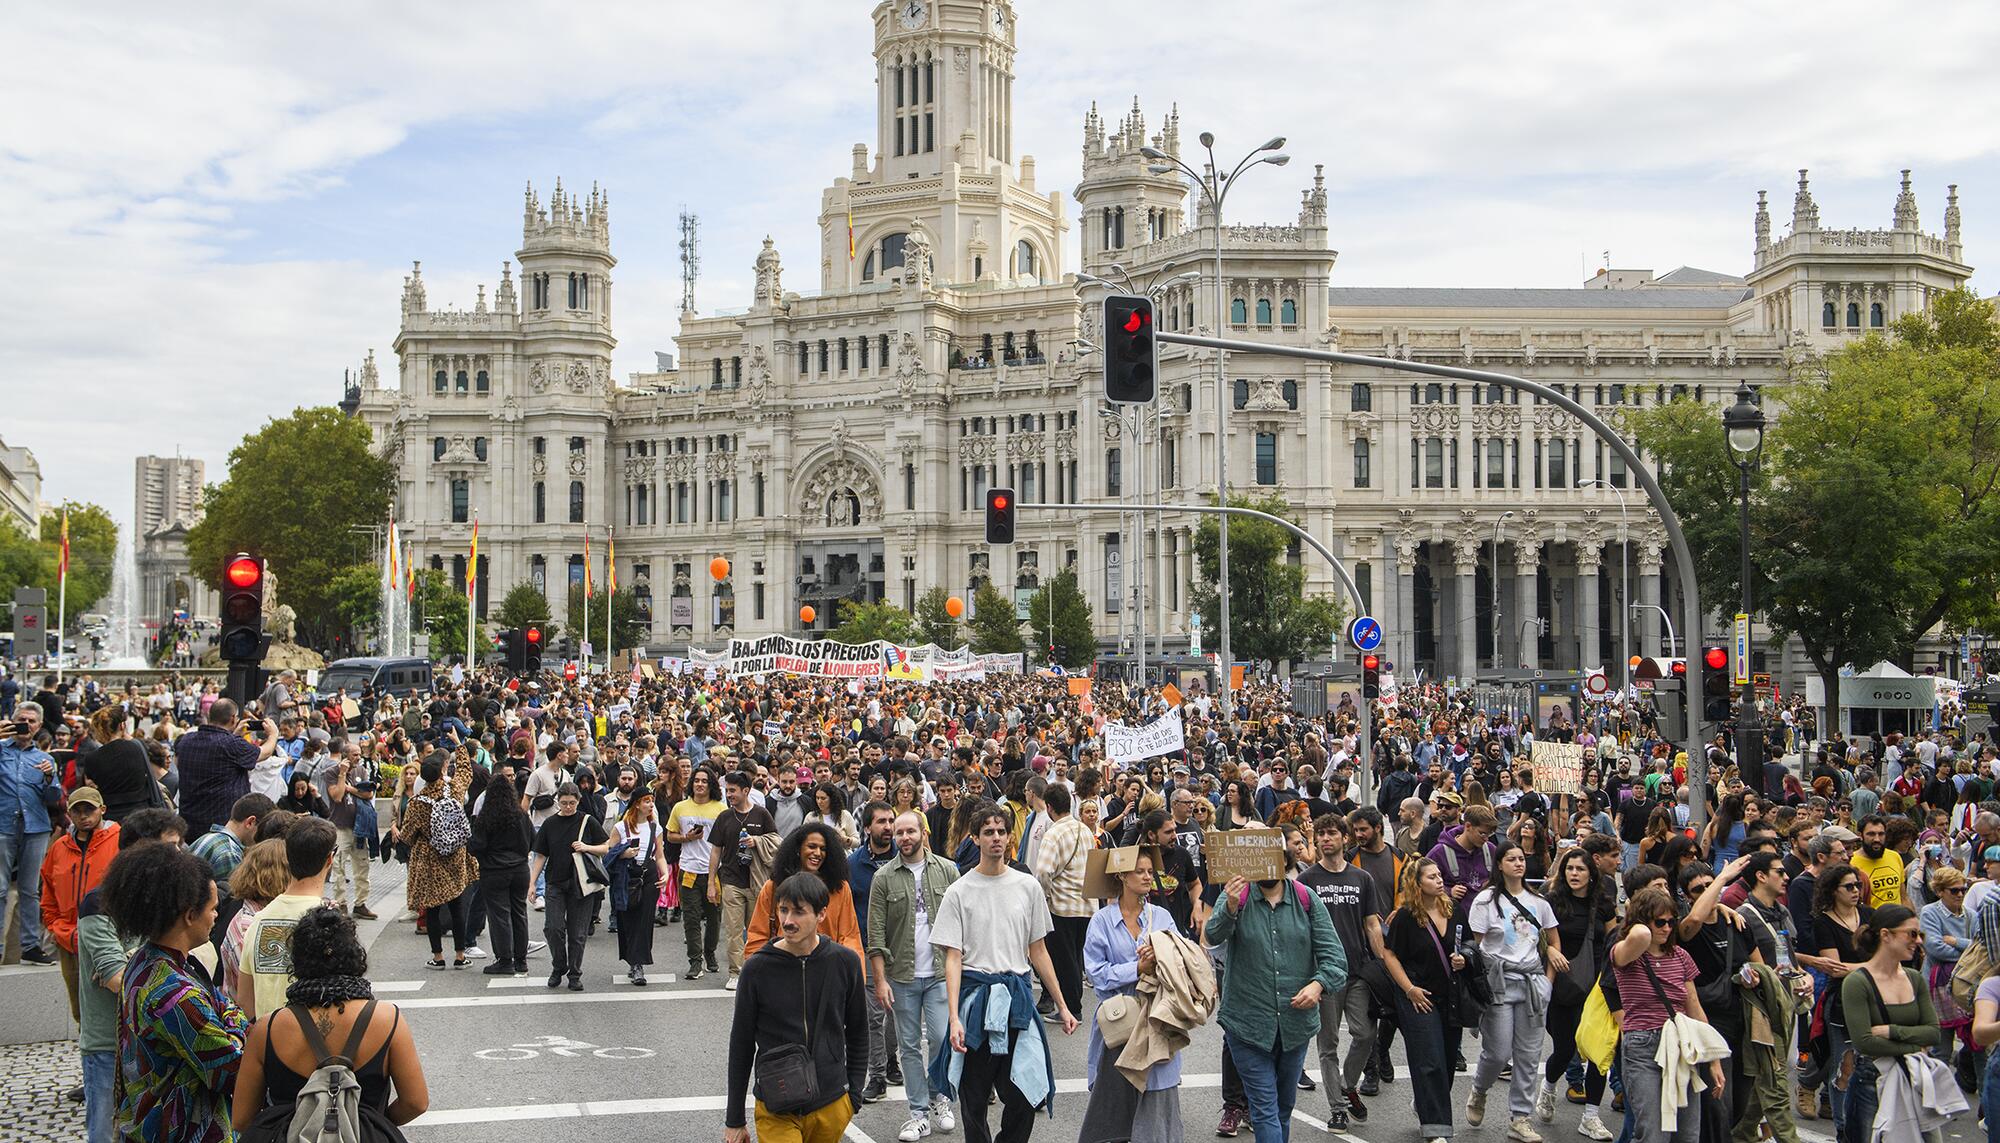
(812, 848)
(330, 1007)
(1239, 806)
(179, 1038)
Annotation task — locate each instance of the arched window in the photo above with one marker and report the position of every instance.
(462, 382)
(572, 289)
(1291, 391)
(822, 357)
(1239, 312)
(583, 291)
(481, 383)
(1288, 312)
(1826, 315)
(1495, 394)
(805, 359)
(868, 267)
(1189, 319)
(1263, 311)
(541, 503)
(1875, 315)
(1118, 227)
(1024, 258)
(1854, 315)
(892, 250)
(576, 501)
(1362, 461)
(441, 382)
(1433, 393)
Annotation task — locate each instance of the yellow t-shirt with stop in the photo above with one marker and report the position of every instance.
(1883, 876)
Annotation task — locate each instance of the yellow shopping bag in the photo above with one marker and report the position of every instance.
(1597, 1033)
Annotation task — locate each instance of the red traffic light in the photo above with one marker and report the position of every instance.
(1716, 658)
(534, 635)
(1000, 501)
(245, 572)
(1371, 662)
(1680, 668)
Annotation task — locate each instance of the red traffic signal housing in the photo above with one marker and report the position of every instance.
(534, 635)
(1716, 658)
(1371, 663)
(245, 572)
(1680, 668)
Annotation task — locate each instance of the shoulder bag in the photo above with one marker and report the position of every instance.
(787, 1081)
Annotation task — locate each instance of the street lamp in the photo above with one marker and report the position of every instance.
(1624, 577)
(1215, 188)
(1743, 429)
(1497, 525)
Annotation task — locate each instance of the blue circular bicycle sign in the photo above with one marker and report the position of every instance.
(1365, 633)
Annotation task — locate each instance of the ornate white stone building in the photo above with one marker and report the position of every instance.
(837, 443)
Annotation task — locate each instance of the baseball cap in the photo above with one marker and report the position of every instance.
(1992, 853)
(86, 796)
(1447, 797)
(1842, 834)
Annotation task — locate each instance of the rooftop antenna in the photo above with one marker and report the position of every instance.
(690, 258)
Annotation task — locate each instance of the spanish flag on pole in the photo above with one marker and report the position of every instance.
(850, 234)
(611, 561)
(586, 561)
(62, 569)
(472, 564)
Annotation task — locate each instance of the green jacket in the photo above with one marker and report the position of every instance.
(99, 954)
(892, 914)
(1271, 952)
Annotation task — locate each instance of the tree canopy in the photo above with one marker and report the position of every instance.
(34, 561)
(1060, 618)
(1270, 617)
(934, 623)
(523, 605)
(862, 622)
(296, 490)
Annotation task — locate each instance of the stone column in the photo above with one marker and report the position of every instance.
(1527, 569)
(1645, 618)
(1465, 565)
(1589, 559)
(1400, 580)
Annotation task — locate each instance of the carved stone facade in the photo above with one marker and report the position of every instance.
(837, 446)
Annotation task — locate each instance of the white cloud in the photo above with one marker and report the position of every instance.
(1463, 144)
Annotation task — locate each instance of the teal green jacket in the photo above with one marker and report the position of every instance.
(1271, 952)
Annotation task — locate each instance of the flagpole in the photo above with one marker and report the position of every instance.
(610, 588)
(62, 595)
(581, 643)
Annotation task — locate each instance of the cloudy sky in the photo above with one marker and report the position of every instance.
(207, 209)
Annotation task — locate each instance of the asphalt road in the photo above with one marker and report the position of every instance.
(624, 1062)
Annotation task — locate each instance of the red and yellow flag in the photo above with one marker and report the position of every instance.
(62, 570)
(472, 564)
(850, 234)
(611, 561)
(586, 560)
(410, 576)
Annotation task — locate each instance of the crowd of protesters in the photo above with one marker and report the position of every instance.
(921, 851)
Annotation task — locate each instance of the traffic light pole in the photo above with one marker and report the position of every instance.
(1226, 511)
(1683, 556)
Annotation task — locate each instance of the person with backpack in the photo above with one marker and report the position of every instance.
(1466, 856)
(1513, 926)
(292, 1087)
(442, 868)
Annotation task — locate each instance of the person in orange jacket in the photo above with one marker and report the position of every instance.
(75, 864)
(814, 848)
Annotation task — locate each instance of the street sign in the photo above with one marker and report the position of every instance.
(1596, 685)
(1742, 648)
(569, 669)
(31, 622)
(1365, 633)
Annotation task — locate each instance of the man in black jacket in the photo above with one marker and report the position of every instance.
(798, 968)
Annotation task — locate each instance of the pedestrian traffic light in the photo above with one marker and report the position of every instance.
(1000, 507)
(1131, 356)
(1716, 696)
(1670, 697)
(531, 649)
(1371, 676)
(242, 639)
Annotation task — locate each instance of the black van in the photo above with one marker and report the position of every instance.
(400, 677)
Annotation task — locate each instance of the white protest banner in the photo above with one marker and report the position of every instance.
(1163, 735)
(1558, 767)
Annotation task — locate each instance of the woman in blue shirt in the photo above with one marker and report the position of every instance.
(1116, 949)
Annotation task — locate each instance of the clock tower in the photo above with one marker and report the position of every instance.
(944, 86)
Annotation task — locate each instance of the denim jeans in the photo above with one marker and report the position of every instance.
(1643, 1096)
(21, 866)
(1271, 1083)
(1989, 1097)
(99, 1108)
(1856, 1118)
(920, 1007)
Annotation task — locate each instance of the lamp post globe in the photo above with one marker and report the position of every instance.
(1743, 426)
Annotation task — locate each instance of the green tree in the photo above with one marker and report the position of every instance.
(93, 549)
(1875, 513)
(22, 558)
(934, 623)
(1060, 619)
(1270, 617)
(296, 488)
(864, 622)
(628, 627)
(356, 593)
(994, 628)
(524, 604)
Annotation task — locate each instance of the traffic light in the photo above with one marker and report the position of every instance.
(1716, 695)
(242, 639)
(531, 649)
(1000, 506)
(1131, 356)
(1670, 697)
(507, 644)
(1371, 676)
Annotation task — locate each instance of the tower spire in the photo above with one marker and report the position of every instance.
(1763, 224)
(1906, 205)
(1805, 212)
(1954, 247)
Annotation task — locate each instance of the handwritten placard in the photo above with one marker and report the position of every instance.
(1252, 854)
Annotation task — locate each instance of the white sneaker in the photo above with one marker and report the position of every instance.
(729, 985)
(918, 1127)
(538, 905)
(1475, 1109)
(941, 1114)
(1523, 1131)
(1545, 1103)
(1592, 1127)
(475, 952)
(536, 946)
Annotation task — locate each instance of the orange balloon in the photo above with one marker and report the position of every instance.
(718, 568)
(807, 615)
(1634, 662)
(954, 607)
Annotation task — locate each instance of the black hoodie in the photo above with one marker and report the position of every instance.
(773, 996)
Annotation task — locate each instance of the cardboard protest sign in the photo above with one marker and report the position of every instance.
(1102, 867)
(1252, 854)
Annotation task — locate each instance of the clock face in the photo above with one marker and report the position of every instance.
(999, 20)
(912, 13)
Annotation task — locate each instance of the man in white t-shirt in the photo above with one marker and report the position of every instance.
(993, 924)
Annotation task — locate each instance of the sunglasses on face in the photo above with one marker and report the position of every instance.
(1657, 922)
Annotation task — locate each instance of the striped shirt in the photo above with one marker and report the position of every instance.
(1059, 866)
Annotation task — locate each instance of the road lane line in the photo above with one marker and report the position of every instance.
(626, 995)
(536, 980)
(397, 985)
